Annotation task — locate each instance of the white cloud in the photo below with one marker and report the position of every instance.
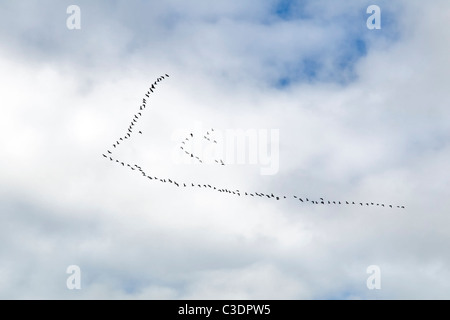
(65, 96)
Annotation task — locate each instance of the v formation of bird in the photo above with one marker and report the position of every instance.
(108, 155)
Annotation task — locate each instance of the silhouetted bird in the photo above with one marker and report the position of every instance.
(140, 132)
(105, 155)
(109, 152)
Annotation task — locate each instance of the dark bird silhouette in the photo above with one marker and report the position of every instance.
(140, 132)
(105, 155)
(109, 152)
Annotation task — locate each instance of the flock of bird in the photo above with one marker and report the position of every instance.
(209, 137)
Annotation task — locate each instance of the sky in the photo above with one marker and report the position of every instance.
(354, 114)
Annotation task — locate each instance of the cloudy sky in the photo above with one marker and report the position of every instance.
(362, 115)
